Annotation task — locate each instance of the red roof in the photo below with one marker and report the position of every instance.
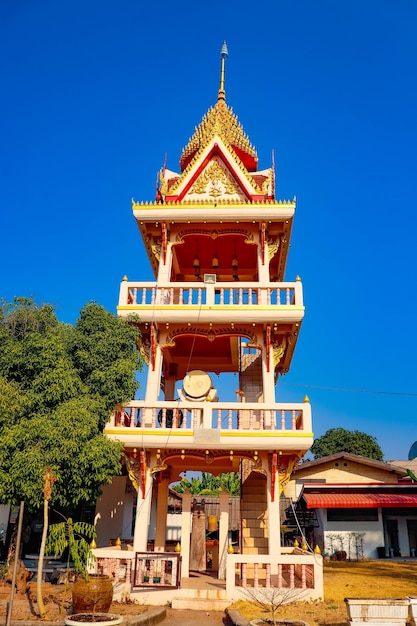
(359, 500)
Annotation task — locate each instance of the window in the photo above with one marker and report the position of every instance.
(352, 515)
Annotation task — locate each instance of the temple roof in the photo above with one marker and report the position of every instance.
(221, 121)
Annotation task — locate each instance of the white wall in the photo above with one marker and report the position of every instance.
(113, 509)
(373, 535)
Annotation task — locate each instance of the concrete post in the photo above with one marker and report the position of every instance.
(223, 532)
(186, 533)
(161, 516)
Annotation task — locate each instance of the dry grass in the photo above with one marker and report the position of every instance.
(347, 579)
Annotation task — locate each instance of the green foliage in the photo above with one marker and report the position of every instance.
(209, 485)
(412, 476)
(352, 441)
(72, 537)
(58, 387)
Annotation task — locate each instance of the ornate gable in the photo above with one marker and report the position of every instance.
(216, 173)
(218, 163)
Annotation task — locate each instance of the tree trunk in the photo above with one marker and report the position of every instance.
(42, 610)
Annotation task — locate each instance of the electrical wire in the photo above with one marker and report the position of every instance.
(348, 390)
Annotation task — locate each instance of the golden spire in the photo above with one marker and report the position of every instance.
(220, 120)
(223, 55)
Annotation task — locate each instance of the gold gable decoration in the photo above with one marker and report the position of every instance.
(219, 120)
(215, 181)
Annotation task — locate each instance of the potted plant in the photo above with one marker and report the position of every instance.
(92, 594)
(377, 610)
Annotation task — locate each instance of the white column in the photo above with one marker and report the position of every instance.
(268, 382)
(274, 523)
(403, 541)
(164, 270)
(161, 516)
(185, 533)
(263, 270)
(143, 511)
(223, 532)
(153, 383)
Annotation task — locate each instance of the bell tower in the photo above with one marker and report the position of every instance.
(217, 238)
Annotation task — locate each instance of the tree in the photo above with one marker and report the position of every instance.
(58, 387)
(210, 485)
(341, 440)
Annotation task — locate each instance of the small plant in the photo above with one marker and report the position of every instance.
(76, 538)
(269, 599)
(3, 571)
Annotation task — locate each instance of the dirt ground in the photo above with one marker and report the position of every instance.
(383, 579)
(347, 579)
(57, 601)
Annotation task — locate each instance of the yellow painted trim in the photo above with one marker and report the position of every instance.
(139, 431)
(205, 307)
(203, 204)
(262, 433)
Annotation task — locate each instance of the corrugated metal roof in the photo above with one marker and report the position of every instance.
(359, 500)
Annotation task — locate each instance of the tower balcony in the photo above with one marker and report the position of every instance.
(189, 302)
(213, 425)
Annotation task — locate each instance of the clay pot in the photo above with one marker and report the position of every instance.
(103, 619)
(94, 594)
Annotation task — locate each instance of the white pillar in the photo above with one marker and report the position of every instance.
(164, 270)
(153, 383)
(161, 516)
(263, 270)
(403, 541)
(268, 383)
(143, 511)
(223, 532)
(185, 533)
(274, 522)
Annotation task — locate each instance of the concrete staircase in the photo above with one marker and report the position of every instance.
(250, 378)
(201, 592)
(201, 600)
(254, 514)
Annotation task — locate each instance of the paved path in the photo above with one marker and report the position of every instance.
(182, 617)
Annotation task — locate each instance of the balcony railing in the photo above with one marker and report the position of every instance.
(139, 295)
(223, 416)
(297, 574)
(160, 570)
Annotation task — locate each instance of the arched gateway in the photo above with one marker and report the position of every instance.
(217, 239)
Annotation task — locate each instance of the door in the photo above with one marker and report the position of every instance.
(392, 535)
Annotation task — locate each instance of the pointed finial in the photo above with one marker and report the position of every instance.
(223, 55)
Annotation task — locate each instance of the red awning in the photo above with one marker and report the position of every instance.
(359, 500)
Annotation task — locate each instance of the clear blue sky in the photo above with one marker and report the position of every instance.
(95, 92)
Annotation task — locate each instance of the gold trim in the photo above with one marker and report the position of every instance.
(139, 431)
(185, 204)
(174, 307)
(267, 434)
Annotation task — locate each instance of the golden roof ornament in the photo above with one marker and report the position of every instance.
(223, 55)
(220, 120)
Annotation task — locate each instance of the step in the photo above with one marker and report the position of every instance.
(253, 531)
(200, 604)
(255, 542)
(203, 594)
(252, 523)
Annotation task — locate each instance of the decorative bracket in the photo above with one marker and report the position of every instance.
(268, 347)
(164, 242)
(153, 346)
(263, 229)
(137, 470)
